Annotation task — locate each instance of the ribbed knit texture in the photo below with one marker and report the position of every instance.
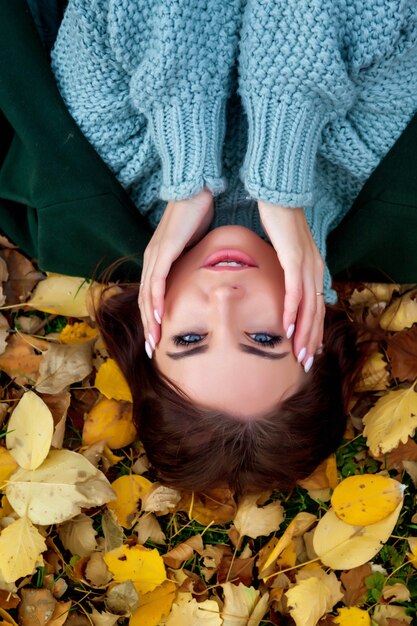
(294, 102)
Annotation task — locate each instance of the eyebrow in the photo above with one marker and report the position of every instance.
(273, 356)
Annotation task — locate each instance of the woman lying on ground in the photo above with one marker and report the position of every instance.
(267, 119)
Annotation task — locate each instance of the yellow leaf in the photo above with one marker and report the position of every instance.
(412, 542)
(129, 490)
(154, 605)
(312, 596)
(61, 295)
(352, 616)
(366, 499)
(193, 613)
(145, 568)
(30, 431)
(111, 382)
(80, 332)
(343, 546)
(253, 520)
(298, 526)
(372, 293)
(7, 620)
(402, 313)
(243, 605)
(392, 420)
(7, 465)
(111, 421)
(21, 547)
(374, 375)
(58, 489)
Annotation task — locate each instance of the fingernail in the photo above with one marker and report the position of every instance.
(301, 354)
(156, 316)
(148, 349)
(290, 331)
(151, 341)
(309, 363)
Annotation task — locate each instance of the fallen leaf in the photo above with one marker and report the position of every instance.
(402, 354)
(238, 570)
(4, 333)
(183, 551)
(403, 452)
(214, 505)
(96, 570)
(36, 608)
(353, 581)
(343, 546)
(63, 365)
(412, 542)
(402, 313)
(122, 598)
(30, 431)
(369, 294)
(243, 605)
(129, 490)
(148, 528)
(22, 276)
(396, 593)
(61, 295)
(20, 360)
(392, 420)
(411, 469)
(79, 332)
(161, 499)
(309, 599)
(352, 616)
(145, 568)
(374, 375)
(78, 535)
(21, 547)
(193, 613)
(154, 605)
(111, 421)
(366, 499)
(58, 489)
(7, 465)
(112, 531)
(255, 521)
(111, 382)
(103, 619)
(384, 612)
(301, 522)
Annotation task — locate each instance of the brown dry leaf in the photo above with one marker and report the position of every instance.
(20, 360)
(4, 333)
(161, 499)
(374, 375)
(403, 452)
(78, 535)
(396, 593)
(60, 614)
(215, 505)
(411, 469)
(103, 619)
(238, 570)
(212, 556)
(58, 404)
(183, 551)
(383, 612)
(96, 571)
(111, 421)
(63, 365)
(323, 477)
(112, 531)
(148, 528)
(22, 276)
(402, 353)
(122, 598)
(36, 608)
(8, 600)
(253, 521)
(354, 584)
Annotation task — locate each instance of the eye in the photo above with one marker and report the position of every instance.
(186, 340)
(265, 339)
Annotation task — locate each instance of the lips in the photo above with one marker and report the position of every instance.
(229, 255)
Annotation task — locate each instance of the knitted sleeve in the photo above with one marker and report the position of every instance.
(183, 54)
(293, 81)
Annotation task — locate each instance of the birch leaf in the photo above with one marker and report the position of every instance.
(63, 365)
(111, 421)
(61, 295)
(154, 605)
(129, 490)
(21, 547)
(80, 332)
(253, 520)
(352, 616)
(7, 465)
(301, 522)
(193, 613)
(374, 375)
(366, 499)
(309, 599)
(30, 431)
(392, 420)
(78, 535)
(402, 313)
(385, 612)
(145, 568)
(111, 382)
(58, 489)
(240, 604)
(343, 546)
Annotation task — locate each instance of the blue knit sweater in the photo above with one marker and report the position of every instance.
(294, 102)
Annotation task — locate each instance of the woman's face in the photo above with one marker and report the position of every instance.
(238, 359)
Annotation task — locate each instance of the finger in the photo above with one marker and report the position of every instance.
(306, 321)
(293, 296)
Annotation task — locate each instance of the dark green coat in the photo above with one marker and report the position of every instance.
(62, 206)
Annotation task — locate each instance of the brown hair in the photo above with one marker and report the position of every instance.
(194, 448)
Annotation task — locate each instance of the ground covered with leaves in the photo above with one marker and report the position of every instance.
(89, 538)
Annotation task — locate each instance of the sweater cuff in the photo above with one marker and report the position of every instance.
(189, 138)
(283, 139)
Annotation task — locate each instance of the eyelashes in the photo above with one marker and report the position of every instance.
(262, 338)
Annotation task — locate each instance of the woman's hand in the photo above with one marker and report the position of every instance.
(183, 223)
(303, 267)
